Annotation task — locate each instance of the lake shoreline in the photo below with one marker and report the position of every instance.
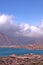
(29, 46)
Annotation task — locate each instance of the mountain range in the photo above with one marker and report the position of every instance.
(26, 42)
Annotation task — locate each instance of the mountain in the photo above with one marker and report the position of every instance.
(11, 40)
(6, 40)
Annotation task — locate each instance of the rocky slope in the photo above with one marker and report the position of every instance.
(22, 60)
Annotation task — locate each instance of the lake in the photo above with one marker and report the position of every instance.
(18, 51)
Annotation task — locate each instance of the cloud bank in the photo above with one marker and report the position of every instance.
(9, 26)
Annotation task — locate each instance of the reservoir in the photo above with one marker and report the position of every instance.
(18, 51)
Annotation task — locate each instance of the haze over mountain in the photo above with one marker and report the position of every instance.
(19, 34)
(11, 40)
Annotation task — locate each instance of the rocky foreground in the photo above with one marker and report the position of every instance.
(30, 59)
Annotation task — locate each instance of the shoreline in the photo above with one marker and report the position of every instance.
(30, 47)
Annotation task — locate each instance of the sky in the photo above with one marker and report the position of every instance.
(21, 17)
(26, 11)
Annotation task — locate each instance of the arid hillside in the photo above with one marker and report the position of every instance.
(22, 60)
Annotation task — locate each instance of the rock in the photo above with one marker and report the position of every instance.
(22, 60)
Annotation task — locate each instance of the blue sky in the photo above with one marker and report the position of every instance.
(27, 11)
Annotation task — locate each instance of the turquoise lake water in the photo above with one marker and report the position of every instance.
(9, 51)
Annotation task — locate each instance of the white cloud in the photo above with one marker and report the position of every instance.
(5, 19)
(8, 25)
